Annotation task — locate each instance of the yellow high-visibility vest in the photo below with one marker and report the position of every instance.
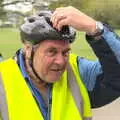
(22, 105)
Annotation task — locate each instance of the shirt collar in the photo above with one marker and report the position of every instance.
(22, 64)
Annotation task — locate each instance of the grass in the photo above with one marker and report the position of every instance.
(82, 48)
(10, 42)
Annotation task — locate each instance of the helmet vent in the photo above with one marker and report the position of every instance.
(40, 14)
(48, 21)
(31, 20)
(65, 30)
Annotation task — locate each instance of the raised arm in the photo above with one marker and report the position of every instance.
(101, 77)
(107, 84)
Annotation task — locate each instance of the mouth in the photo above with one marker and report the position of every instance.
(57, 70)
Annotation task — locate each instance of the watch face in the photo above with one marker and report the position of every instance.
(99, 26)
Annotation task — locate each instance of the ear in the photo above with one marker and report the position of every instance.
(27, 50)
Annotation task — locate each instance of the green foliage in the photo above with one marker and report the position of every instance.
(62, 3)
(106, 11)
(2, 12)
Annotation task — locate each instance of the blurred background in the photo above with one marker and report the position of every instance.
(12, 13)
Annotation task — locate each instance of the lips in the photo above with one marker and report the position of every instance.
(56, 70)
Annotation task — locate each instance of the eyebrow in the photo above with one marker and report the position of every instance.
(66, 50)
(54, 48)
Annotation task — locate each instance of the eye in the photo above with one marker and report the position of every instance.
(66, 53)
(51, 52)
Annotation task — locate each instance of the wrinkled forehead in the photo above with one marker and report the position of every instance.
(55, 42)
(58, 44)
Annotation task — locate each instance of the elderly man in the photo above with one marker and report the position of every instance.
(46, 82)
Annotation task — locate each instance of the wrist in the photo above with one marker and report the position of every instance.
(97, 30)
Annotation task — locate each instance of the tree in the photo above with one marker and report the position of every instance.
(13, 16)
(79, 4)
(106, 11)
(2, 12)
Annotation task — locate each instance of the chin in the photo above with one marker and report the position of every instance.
(52, 80)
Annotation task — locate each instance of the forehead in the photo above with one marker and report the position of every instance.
(55, 43)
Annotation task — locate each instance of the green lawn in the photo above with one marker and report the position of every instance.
(81, 47)
(10, 42)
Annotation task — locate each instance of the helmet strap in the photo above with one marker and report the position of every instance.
(31, 64)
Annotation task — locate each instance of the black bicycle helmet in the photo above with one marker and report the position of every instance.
(38, 27)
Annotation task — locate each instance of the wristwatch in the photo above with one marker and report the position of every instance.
(99, 29)
(99, 26)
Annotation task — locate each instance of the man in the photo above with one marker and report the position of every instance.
(44, 81)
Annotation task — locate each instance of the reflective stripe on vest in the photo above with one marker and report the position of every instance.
(22, 106)
(76, 93)
(79, 90)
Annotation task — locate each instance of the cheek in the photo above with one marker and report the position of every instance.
(42, 64)
(46, 63)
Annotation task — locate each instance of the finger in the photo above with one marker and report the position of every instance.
(57, 12)
(61, 23)
(57, 18)
(59, 8)
(53, 16)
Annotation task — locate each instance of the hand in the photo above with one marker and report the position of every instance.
(73, 17)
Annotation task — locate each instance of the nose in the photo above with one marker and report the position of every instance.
(60, 59)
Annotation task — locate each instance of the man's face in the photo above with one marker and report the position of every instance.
(50, 59)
